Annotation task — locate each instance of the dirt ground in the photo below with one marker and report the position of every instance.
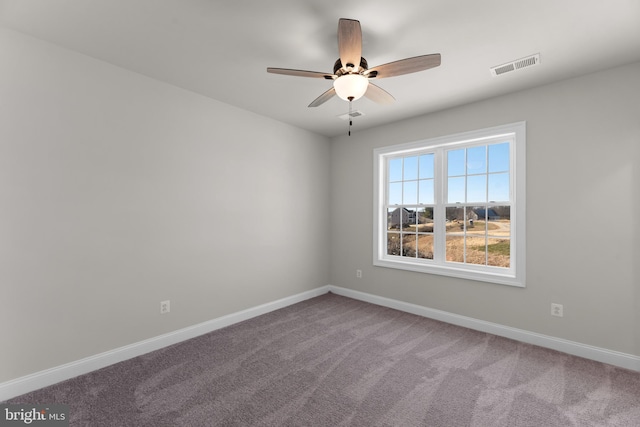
(475, 246)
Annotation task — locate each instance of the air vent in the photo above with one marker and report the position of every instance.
(516, 65)
(353, 114)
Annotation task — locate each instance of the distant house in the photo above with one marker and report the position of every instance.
(490, 214)
(402, 216)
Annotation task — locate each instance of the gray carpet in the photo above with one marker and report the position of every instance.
(334, 361)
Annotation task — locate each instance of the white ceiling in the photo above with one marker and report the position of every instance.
(221, 48)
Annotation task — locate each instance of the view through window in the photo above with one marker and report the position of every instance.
(450, 205)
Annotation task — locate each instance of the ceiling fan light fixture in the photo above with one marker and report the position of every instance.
(351, 86)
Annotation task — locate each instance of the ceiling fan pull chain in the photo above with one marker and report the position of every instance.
(350, 109)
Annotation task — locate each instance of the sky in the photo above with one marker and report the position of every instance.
(482, 178)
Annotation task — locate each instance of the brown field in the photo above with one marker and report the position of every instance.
(476, 251)
(498, 248)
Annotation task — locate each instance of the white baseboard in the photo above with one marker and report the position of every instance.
(611, 357)
(54, 375)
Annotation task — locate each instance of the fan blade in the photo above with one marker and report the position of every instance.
(404, 66)
(379, 95)
(349, 42)
(301, 73)
(323, 98)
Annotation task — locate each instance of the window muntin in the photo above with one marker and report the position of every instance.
(448, 205)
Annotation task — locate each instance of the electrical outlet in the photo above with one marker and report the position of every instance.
(359, 274)
(165, 307)
(557, 310)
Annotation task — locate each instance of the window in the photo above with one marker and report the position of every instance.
(453, 205)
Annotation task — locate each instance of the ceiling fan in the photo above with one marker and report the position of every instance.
(351, 74)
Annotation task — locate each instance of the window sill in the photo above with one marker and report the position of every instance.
(452, 271)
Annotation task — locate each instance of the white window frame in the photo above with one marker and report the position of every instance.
(515, 274)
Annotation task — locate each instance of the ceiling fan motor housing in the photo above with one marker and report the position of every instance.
(339, 71)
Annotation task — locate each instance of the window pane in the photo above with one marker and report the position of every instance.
(455, 248)
(455, 162)
(393, 244)
(499, 187)
(499, 157)
(395, 193)
(474, 220)
(393, 222)
(425, 246)
(411, 222)
(395, 218)
(455, 190)
(499, 221)
(395, 170)
(477, 188)
(425, 195)
(401, 218)
(499, 252)
(477, 160)
(455, 233)
(410, 195)
(409, 242)
(426, 166)
(410, 168)
(476, 249)
(425, 216)
(454, 214)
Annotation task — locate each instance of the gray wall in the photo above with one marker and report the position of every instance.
(583, 211)
(118, 191)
